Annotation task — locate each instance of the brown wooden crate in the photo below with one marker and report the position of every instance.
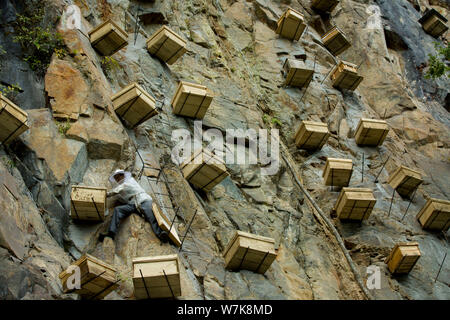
(355, 204)
(164, 223)
(312, 135)
(345, 76)
(435, 26)
(435, 215)
(297, 73)
(82, 203)
(191, 100)
(250, 252)
(166, 45)
(153, 269)
(134, 105)
(101, 274)
(204, 170)
(403, 257)
(335, 41)
(325, 5)
(337, 172)
(291, 25)
(13, 120)
(371, 132)
(405, 180)
(108, 38)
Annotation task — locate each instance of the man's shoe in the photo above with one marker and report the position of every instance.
(164, 237)
(102, 236)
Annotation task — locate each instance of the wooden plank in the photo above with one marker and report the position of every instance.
(355, 204)
(13, 120)
(435, 26)
(108, 38)
(166, 45)
(405, 180)
(297, 73)
(291, 25)
(403, 257)
(164, 223)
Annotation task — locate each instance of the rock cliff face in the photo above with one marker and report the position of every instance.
(233, 50)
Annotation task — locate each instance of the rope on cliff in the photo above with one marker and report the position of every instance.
(330, 227)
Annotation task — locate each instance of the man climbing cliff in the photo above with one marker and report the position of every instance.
(134, 199)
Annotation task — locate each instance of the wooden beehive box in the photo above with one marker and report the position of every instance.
(405, 180)
(371, 132)
(156, 277)
(312, 135)
(204, 170)
(291, 24)
(434, 23)
(355, 204)
(134, 105)
(335, 41)
(13, 120)
(88, 203)
(435, 215)
(166, 45)
(165, 224)
(403, 257)
(345, 76)
(108, 38)
(250, 252)
(98, 278)
(191, 100)
(325, 5)
(297, 73)
(337, 172)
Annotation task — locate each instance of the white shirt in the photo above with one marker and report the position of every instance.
(130, 192)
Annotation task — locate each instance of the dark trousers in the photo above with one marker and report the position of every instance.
(121, 212)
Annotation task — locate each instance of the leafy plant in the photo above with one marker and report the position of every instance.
(2, 51)
(9, 163)
(109, 64)
(272, 120)
(63, 127)
(439, 64)
(37, 39)
(11, 91)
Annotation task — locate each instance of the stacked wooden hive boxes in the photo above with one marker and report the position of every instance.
(134, 105)
(371, 132)
(204, 169)
(435, 215)
(405, 180)
(156, 277)
(166, 45)
(291, 25)
(355, 204)
(98, 278)
(403, 257)
(335, 41)
(13, 120)
(345, 76)
(434, 23)
(337, 172)
(108, 38)
(250, 252)
(298, 74)
(312, 135)
(191, 100)
(88, 203)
